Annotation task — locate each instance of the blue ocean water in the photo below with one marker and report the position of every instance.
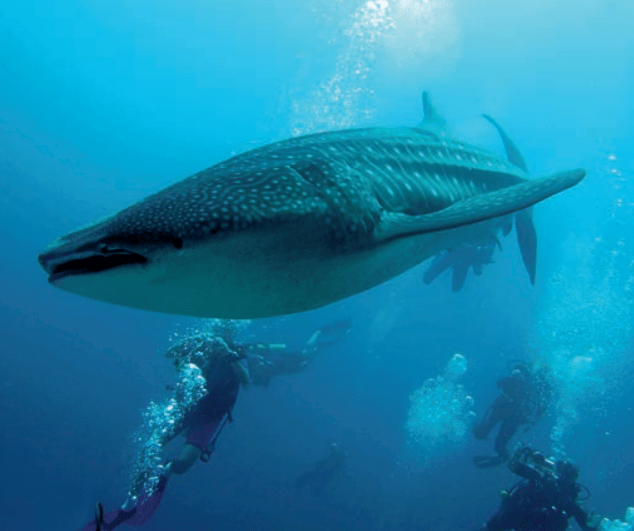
(102, 104)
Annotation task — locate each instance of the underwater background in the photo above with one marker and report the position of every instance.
(103, 103)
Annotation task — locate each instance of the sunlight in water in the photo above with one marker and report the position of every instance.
(340, 101)
(406, 30)
(584, 328)
(424, 28)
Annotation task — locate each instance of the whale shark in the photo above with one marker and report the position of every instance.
(304, 222)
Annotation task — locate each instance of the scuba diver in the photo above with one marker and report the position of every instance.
(524, 397)
(275, 359)
(210, 373)
(544, 500)
(460, 259)
(325, 471)
(211, 366)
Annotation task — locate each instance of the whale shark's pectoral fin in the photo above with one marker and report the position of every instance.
(478, 208)
(512, 153)
(527, 240)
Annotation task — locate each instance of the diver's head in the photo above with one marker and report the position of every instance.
(226, 329)
(520, 368)
(335, 448)
(567, 472)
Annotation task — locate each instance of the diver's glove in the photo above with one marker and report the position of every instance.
(593, 520)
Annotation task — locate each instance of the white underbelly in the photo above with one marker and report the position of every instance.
(251, 275)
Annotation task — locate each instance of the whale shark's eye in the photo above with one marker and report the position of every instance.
(177, 242)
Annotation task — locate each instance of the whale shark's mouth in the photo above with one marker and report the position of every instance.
(86, 262)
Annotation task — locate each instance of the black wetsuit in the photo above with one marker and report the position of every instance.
(539, 504)
(266, 361)
(522, 401)
(222, 392)
(323, 473)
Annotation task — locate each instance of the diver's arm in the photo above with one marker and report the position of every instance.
(581, 516)
(524, 470)
(534, 467)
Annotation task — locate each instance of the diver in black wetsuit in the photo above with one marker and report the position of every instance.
(266, 360)
(544, 500)
(325, 471)
(224, 364)
(524, 397)
(469, 255)
(218, 364)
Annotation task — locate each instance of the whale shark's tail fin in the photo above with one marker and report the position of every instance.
(527, 240)
(526, 233)
(512, 153)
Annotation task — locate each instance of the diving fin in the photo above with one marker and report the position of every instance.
(460, 270)
(135, 516)
(478, 208)
(488, 461)
(507, 227)
(441, 262)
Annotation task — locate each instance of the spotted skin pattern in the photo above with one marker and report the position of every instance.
(298, 224)
(343, 181)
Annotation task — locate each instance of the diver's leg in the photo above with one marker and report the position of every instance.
(500, 521)
(440, 263)
(201, 432)
(328, 335)
(492, 416)
(508, 428)
(185, 460)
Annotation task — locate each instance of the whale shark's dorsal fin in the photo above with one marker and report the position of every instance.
(432, 121)
(512, 153)
(431, 115)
